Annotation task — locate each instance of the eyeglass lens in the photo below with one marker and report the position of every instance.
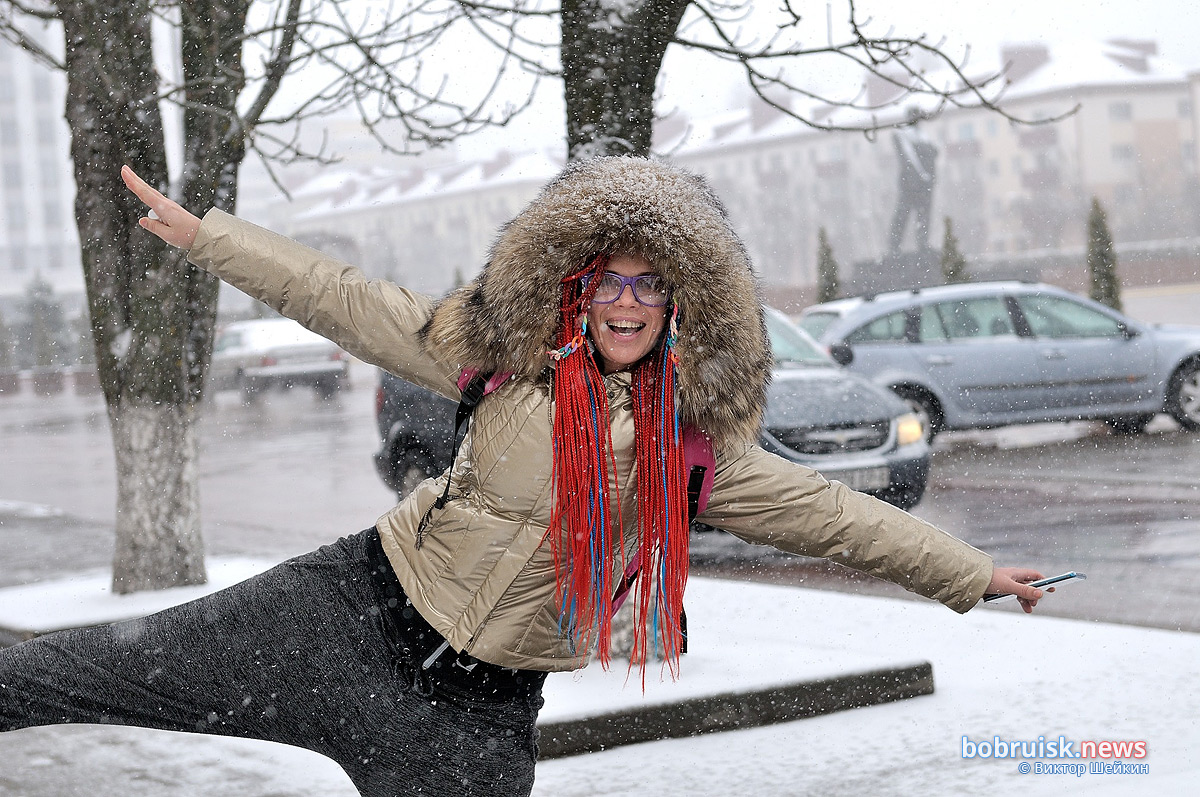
(648, 289)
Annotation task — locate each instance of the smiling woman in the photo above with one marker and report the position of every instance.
(625, 328)
(414, 653)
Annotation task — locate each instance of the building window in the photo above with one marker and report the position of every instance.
(1122, 153)
(49, 173)
(966, 132)
(1123, 193)
(1185, 109)
(52, 213)
(41, 86)
(1120, 111)
(8, 132)
(14, 206)
(991, 128)
(993, 167)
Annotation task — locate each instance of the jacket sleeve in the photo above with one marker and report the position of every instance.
(374, 320)
(762, 498)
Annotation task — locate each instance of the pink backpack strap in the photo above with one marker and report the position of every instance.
(494, 381)
(698, 453)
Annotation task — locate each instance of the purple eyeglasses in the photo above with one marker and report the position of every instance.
(649, 289)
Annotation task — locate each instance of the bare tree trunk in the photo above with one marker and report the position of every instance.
(610, 60)
(152, 314)
(211, 32)
(136, 291)
(158, 497)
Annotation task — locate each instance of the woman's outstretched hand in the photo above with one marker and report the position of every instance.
(1014, 581)
(169, 220)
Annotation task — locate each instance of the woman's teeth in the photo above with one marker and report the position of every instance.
(625, 327)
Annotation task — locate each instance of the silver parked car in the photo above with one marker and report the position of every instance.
(254, 355)
(991, 354)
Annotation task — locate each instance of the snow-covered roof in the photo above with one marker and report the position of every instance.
(1079, 65)
(347, 191)
(1032, 70)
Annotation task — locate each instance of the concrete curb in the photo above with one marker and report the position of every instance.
(733, 711)
(9, 638)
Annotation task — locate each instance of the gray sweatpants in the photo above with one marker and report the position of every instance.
(317, 653)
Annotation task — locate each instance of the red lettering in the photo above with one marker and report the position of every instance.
(1139, 750)
(1104, 749)
(1122, 749)
(1087, 749)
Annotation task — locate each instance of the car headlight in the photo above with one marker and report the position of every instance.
(908, 429)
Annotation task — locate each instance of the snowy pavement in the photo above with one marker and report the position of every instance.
(997, 673)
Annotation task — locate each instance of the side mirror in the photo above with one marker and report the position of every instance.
(841, 353)
(1129, 332)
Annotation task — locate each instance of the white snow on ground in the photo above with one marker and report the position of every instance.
(86, 598)
(997, 673)
(22, 509)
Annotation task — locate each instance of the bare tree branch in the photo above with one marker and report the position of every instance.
(276, 68)
(11, 32)
(889, 59)
(44, 11)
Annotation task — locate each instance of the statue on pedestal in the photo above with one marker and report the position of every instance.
(917, 156)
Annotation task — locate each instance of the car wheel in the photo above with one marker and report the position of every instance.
(924, 406)
(250, 389)
(412, 466)
(1128, 424)
(410, 477)
(1183, 396)
(327, 387)
(904, 496)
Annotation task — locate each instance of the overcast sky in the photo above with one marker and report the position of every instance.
(1174, 23)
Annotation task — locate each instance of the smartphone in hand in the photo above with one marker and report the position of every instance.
(1041, 584)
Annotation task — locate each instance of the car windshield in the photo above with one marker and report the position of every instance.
(816, 323)
(791, 345)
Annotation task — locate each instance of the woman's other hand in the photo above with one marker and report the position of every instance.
(168, 219)
(1015, 581)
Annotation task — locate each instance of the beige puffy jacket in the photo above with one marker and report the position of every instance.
(480, 570)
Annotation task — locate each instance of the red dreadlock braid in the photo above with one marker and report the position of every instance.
(662, 509)
(580, 519)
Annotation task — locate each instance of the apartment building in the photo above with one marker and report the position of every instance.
(1126, 136)
(37, 189)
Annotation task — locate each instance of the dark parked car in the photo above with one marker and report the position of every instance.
(255, 355)
(817, 414)
(991, 354)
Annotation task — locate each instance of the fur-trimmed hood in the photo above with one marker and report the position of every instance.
(507, 318)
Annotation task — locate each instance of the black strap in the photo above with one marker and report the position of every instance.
(694, 486)
(472, 394)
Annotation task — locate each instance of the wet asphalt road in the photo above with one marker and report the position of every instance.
(292, 472)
